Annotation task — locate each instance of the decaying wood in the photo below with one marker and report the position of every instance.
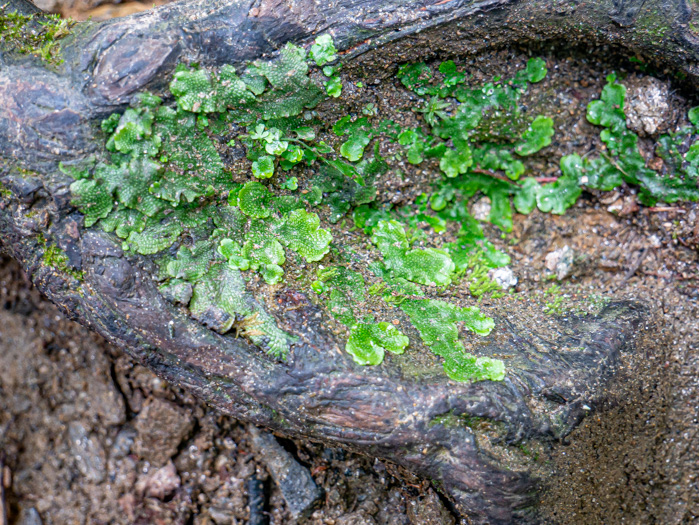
(51, 114)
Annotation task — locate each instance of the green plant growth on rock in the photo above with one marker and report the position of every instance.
(5, 193)
(163, 189)
(367, 342)
(495, 169)
(164, 182)
(437, 323)
(427, 266)
(57, 259)
(623, 162)
(479, 134)
(35, 34)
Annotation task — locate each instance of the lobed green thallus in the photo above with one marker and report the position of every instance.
(164, 190)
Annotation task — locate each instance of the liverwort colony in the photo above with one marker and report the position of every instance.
(238, 180)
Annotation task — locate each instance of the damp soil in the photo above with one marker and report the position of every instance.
(84, 430)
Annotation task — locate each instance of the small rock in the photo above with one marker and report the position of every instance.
(616, 206)
(123, 473)
(623, 206)
(161, 427)
(222, 516)
(355, 518)
(123, 443)
(127, 504)
(647, 106)
(294, 480)
(428, 509)
(88, 452)
(228, 502)
(481, 209)
(50, 6)
(560, 262)
(107, 400)
(29, 517)
(159, 483)
(504, 277)
(257, 501)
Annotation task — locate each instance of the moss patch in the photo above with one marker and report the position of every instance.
(239, 175)
(36, 34)
(56, 258)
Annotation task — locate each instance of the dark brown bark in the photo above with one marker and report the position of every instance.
(51, 115)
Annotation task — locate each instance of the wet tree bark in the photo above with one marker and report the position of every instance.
(51, 114)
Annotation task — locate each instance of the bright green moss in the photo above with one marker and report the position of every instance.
(343, 193)
(525, 199)
(301, 232)
(497, 157)
(358, 133)
(452, 75)
(192, 263)
(693, 116)
(456, 161)
(623, 162)
(291, 184)
(194, 91)
(255, 201)
(233, 253)
(558, 196)
(537, 136)
(368, 343)
(218, 296)
(264, 252)
(536, 69)
(262, 249)
(57, 259)
(345, 290)
(428, 266)
(333, 87)
(123, 222)
(437, 323)
(263, 168)
(93, 199)
(191, 166)
(199, 91)
(323, 50)
(416, 77)
(293, 90)
(158, 235)
(36, 34)
(434, 110)
(164, 190)
(164, 159)
(487, 128)
(221, 302)
(134, 133)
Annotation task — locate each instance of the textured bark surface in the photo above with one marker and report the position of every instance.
(51, 115)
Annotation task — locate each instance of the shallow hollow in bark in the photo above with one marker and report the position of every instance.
(460, 435)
